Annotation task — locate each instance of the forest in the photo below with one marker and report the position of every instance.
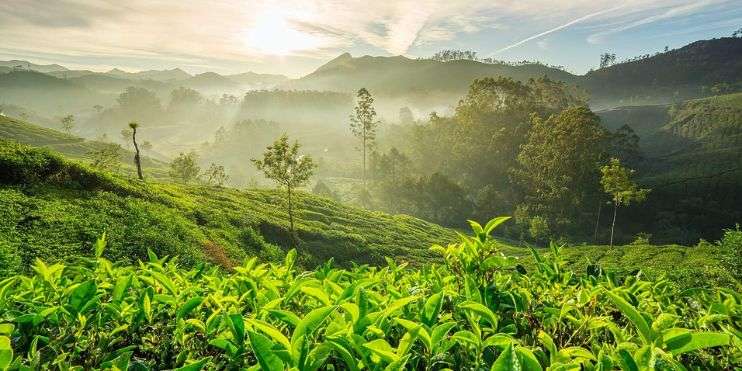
(445, 211)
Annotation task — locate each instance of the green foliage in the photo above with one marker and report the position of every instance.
(617, 182)
(107, 157)
(216, 175)
(52, 209)
(478, 310)
(282, 163)
(184, 168)
(68, 123)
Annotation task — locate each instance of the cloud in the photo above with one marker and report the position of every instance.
(555, 29)
(236, 34)
(646, 16)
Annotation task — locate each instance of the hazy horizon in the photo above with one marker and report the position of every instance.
(293, 38)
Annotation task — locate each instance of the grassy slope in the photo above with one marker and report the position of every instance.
(55, 208)
(69, 145)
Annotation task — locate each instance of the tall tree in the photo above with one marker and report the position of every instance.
(282, 163)
(68, 123)
(558, 166)
(607, 59)
(137, 159)
(363, 123)
(617, 182)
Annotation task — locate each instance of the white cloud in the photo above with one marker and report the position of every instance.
(232, 33)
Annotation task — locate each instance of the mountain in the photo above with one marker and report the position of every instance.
(66, 74)
(44, 93)
(400, 75)
(258, 80)
(28, 66)
(210, 82)
(693, 71)
(172, 75)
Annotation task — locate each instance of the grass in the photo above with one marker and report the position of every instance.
(71, 146)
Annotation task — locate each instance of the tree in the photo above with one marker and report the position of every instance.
(625, 146)
(607, 59)
(98, 108)
(68, 123)
(363, 123)
(184, 98)
(617, 183)
(106, 157)
(558, 166)
(322, 189)
(737, 33)
(216, 175)
(137, 158)
(184, 168)
(406, 116)
(282, 163)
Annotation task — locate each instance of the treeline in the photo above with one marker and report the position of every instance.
(533, 150)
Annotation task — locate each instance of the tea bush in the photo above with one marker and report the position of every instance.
(478, 309)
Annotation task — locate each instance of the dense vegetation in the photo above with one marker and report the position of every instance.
(480, 309)
(52, 209)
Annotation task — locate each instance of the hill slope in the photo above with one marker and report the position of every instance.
(71, 146)
(687, 72)
(396, 75)
(52, 203)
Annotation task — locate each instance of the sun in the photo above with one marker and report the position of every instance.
(272, 34)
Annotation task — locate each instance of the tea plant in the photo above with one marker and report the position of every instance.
(478, 310)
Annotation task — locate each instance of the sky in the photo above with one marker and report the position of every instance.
(294, 37)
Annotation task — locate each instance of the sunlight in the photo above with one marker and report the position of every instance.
(273, 34)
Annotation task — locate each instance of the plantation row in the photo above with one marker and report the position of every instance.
(478, 310)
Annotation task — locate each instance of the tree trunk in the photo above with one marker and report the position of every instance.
(597, 222)
(291, 218)
(137, 159)
(613, 225)
(364, 159)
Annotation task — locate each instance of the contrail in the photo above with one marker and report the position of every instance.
(557, 28)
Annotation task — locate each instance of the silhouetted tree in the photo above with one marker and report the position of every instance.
(363, 124)
(137, 159)
(68, 123)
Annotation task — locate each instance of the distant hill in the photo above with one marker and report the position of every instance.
(45, 93)
(28, 66)
(399, 75)
(258, 80)
(175, 74)
(692, 162)
(210, 82)
(688, 72)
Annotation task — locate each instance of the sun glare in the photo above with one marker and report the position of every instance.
(272, 34)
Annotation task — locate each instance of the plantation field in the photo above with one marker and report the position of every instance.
(53, 208)
(71, 146)
(476, 310)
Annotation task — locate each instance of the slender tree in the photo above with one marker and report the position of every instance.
(137, 159)
(363, 124)
(68, 123)
(617, 182)
(282, 163)
(185, 167)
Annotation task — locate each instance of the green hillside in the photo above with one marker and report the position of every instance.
(55, 209)
(687, 72)
(400, 75)
(70, 145)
